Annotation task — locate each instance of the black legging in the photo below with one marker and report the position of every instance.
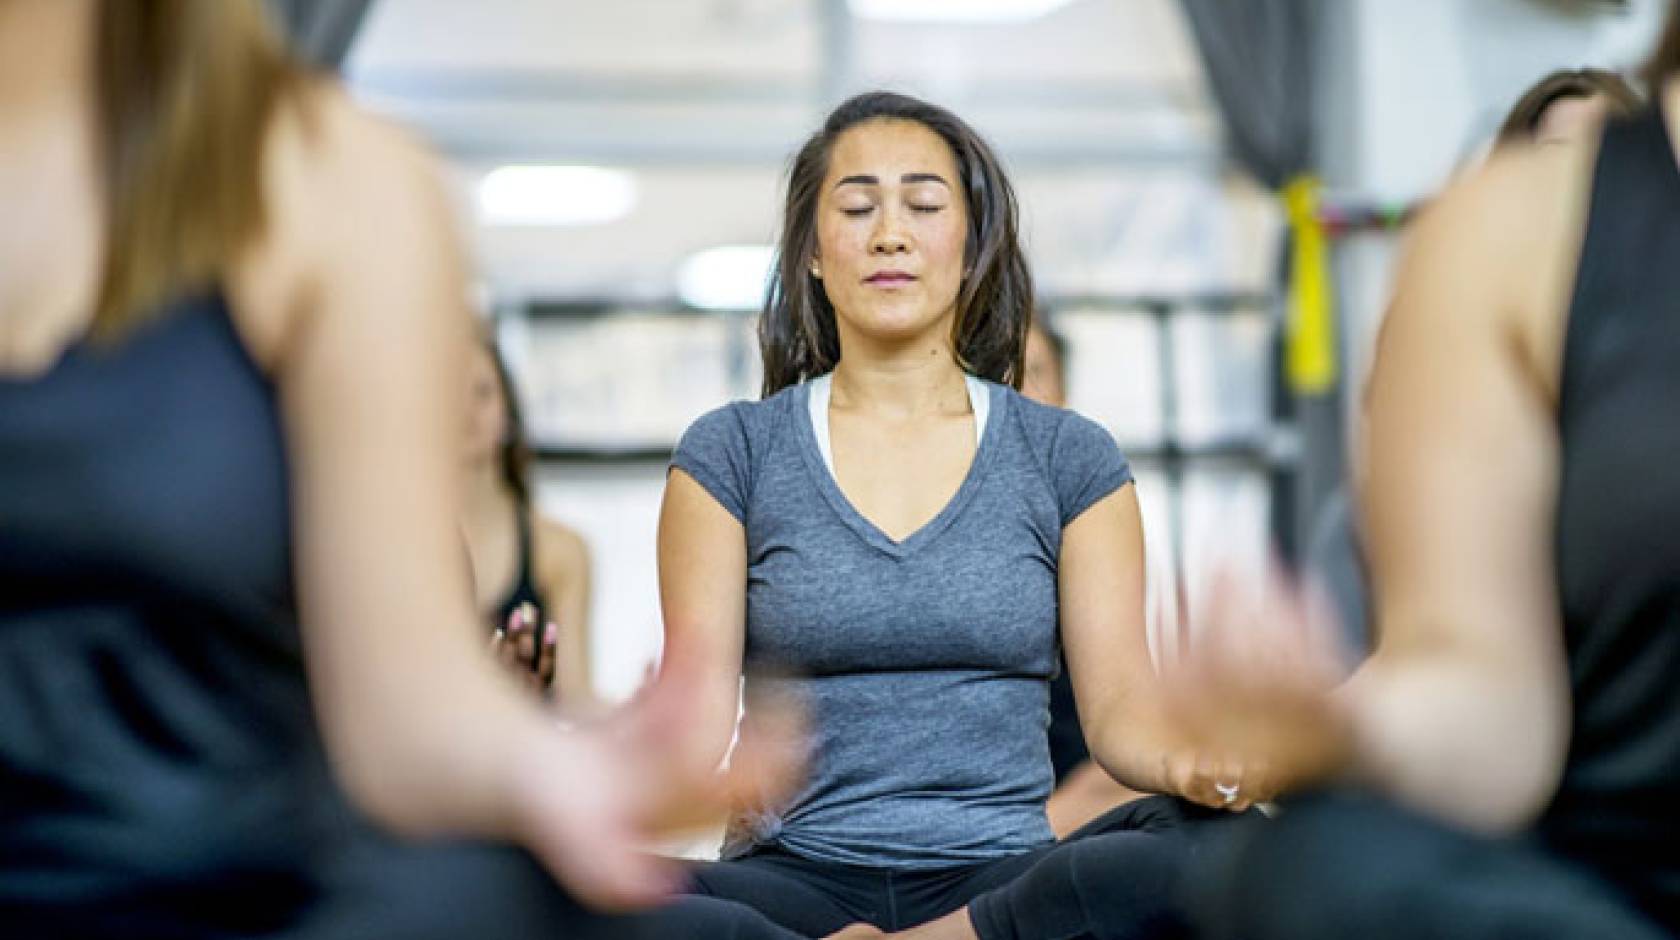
(444, 892)
(1119, 878)
(1116, 886)
(1338, 866)
(815, 898)
(1115, 878)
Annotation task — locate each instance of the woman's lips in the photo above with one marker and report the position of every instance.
(889, 278)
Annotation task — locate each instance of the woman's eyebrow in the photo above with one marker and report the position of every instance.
(868, 180)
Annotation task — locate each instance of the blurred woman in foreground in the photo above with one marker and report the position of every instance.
(230, 416)
(1518, 720)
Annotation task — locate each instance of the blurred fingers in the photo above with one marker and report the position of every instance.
(604, 870)
(763, 769)
(549, 656)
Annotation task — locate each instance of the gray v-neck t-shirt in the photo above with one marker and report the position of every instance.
(925, 664)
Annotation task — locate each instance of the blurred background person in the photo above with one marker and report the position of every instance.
(1516, 723)
(241, 692)
(519, 556)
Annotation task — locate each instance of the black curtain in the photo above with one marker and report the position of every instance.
(1260, 57)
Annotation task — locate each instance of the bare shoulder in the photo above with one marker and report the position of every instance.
(1498, 250)
(341, 186)
(560, 550)
(323, 144)
(1517, 203)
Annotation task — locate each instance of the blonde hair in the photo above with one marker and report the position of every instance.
(186, 90)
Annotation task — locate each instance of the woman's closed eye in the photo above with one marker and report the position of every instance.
(925, 208)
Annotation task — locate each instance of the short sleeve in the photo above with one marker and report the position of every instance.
(714, 451)
(1085, 465)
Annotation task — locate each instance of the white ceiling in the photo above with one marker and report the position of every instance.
(1099, 108)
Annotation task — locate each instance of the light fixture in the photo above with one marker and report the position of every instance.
(729, 277)
(955, 11)
(555, 195)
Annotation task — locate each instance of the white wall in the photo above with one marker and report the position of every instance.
(1430, 79)
(1410, 90)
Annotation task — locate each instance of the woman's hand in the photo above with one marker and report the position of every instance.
(1230, 783)
(515, 646)
(1255, 685)
(589, 805)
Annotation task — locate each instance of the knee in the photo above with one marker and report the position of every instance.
(1314, 872)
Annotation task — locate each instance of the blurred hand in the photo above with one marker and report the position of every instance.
(1254, 684)
(515, 646)
(588, 807)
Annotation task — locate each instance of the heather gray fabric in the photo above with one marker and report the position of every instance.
(925, 664)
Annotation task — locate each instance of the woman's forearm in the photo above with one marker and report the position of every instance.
(1136, 748)
(439, 755)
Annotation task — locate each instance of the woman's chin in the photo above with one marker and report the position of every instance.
(899, 325)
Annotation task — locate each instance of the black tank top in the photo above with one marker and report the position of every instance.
(524, 590)
(160, 771)
(157, 745)
(1618, 525)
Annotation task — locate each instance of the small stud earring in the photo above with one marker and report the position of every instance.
(816, 270)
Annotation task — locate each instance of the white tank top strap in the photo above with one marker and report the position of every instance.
(822, 389)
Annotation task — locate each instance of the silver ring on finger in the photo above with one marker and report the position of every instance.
(1228, 792)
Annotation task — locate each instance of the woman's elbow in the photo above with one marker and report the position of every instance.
(1514, 791)
(380, 792)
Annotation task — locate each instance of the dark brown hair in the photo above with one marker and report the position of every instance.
(797, 335)
(513, 455)
(1525, 117)
(1666, 60)
(186, 89)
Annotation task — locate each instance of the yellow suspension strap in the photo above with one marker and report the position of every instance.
(1310, 328)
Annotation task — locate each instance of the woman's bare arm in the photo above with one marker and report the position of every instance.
(367, 364)
(1463, 710)
(351, 303)
(1121, 706)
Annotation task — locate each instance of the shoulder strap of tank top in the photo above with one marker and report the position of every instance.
(523, 519)
(524, 586)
